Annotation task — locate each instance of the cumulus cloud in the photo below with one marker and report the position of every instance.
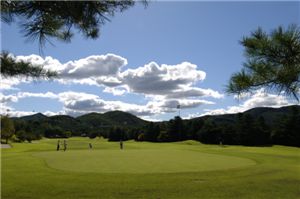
(117, 91)
(92, 70)
(264, 99)
(169, 81)
(48, 62)
(93, 66)
(109, 81)
(153, 79)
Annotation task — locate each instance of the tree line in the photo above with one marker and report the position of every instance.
(245, 130)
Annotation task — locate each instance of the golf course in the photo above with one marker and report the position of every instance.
(186, 169)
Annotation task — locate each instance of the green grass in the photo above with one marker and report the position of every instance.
(148, 170)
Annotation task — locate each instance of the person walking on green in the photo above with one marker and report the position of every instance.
(58, 145)
(121, 144)
(65, 145)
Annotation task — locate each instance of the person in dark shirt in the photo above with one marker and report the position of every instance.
(65, 145)
(58, 145)
(121, 144)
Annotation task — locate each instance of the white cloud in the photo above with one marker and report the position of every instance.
(93, 66)
(48, 62)
(42, 95)
(169, 81)
(4, 99)
(9, 83)
(7, 98)
(153, 79)
(108, 81)
(117, 91)
(185, 92)
(72, 96)
(264, 99)
(92, 70)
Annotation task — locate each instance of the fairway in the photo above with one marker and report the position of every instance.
(187, 170)
(140, 161)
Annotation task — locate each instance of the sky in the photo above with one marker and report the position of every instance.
(147, 61)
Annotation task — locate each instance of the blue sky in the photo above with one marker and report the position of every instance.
(166, 54)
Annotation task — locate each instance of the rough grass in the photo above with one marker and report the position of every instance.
(36, 170)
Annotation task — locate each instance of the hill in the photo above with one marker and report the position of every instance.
(92, 123)
(96, 120)
(271, 115)
(35, 117)
(112, 118)
(120, 118)
(123, 118)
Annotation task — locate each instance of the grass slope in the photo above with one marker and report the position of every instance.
(199, 171)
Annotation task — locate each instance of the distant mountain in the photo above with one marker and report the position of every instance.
(123, 118)
(35, 117)
(94, 119)
(65, 122)
(270, 115)
(87, 121)
(112, 118)
(119, 118)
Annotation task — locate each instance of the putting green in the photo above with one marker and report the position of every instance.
(140, 161)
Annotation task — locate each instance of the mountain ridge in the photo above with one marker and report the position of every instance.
(107, 117)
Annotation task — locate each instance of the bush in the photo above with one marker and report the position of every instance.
(67, 134)
(93, 135)
(21, 135)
